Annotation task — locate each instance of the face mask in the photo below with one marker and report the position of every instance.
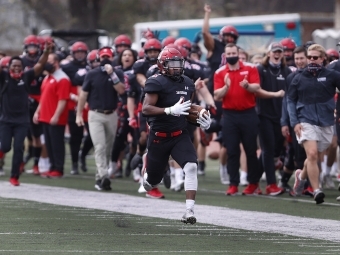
(275, 66)
(49, 67)
(313, 68)
(232, 60)
(289, 59)
(105, 61)
(15, 76)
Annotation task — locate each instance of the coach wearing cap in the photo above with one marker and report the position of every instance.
(100, 90)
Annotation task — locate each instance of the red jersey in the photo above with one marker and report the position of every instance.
(54, 87)
(237, 98)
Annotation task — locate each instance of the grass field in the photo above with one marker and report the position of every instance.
(65, 216)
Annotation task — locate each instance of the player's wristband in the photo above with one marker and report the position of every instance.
(114, 78)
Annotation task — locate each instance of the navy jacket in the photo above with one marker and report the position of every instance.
(311, 98)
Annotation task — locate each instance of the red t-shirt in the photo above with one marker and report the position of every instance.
(237, 98)
(54, 87)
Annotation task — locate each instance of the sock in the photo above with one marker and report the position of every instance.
(317, 190)
(190, 204)
(285, 177)
(243, 174)
(300, 177)
(201, 165)
(328, 170)
(37, 152)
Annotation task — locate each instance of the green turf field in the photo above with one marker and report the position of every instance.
(50, 227)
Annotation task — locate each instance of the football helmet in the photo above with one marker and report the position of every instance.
(171, 63)
(92, 56)
(288, 44)
(229, 30)
(168, 40)
(332, 53)
(79, 46)
(4, 62)
(122, 40)
(183, 42)
(32, 45)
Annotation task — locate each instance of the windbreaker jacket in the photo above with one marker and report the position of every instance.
(311, 98)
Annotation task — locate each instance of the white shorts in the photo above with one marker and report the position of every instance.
(322, 135)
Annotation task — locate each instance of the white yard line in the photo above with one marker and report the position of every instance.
(220, 216)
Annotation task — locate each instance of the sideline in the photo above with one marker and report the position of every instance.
(220, 216)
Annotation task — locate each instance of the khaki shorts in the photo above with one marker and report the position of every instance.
(323, 135)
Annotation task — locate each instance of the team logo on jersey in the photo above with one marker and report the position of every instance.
(244, 73)
(322, 79)
(181, 93)
(20, 83)
(280, 77)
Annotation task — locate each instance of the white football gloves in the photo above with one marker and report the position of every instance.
(180, 108)
(204, 121)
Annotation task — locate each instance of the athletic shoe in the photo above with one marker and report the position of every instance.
(319, 196)
(298, 184)
(103, 184)
(2, 172)
(252, 189)
(52, 174)
(136, 174)
(224, 176)
(274, 190)
(285, 186)
(243, 179)
(327, 182)
(83, 166)
(308, 191)
(154, 193)
(36, 170)
(14, 181)
(74, 170)
(338, 198)
(232, 190)
(189, 217)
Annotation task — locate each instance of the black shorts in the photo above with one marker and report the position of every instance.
(36, 130)
(179, 147)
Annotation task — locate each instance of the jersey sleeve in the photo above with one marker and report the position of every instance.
(64, 88)
(152, 85)
(138, 67)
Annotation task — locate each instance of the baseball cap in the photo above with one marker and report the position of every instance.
(275, 46)
(106, 51)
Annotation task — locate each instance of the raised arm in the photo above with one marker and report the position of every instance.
(207, 36)
(39, 67)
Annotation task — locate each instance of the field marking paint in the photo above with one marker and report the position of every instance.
(305, 227)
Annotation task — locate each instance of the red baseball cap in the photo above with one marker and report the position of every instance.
(106, 51)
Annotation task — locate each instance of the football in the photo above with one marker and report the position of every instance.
(195, 112)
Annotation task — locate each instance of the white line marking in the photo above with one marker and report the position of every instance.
(322, 229)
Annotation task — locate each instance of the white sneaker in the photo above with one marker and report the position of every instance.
(189, 217)
(338, 198)
(327, 182)
(224, 176)
(243, 179)
(179, 176)
(136, 174)
(263, 177)
(173, 180)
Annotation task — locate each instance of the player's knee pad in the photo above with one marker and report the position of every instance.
(190, 170)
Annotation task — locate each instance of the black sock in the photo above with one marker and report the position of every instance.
(201, 165)
(142, 148)
(285, 177)
(37, 153)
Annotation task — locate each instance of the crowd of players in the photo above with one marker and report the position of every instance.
(119, 152)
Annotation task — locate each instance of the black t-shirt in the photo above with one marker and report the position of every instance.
(79, 77)
(35, 86)
(14, 102)
(135, 90)
(214, 61)
(99, 85)
(271, 79)
(71, 69)
(169, 93)
(335, 65)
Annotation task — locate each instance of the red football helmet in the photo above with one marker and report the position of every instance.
(167, 40)
(152, 44)
(183, 42)
(184, 52)
(46, 39)
(92, 56)
(332, 53)
(171, 58)
(141, 54)
(4, 62)
(32, 45)
(148, 34)
(229, 30)
(288, 44)
(122, 40)
(79, 46)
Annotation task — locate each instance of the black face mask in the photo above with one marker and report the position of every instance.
(49, 67)
(232, 60)
(313, 68)
(105, 61)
